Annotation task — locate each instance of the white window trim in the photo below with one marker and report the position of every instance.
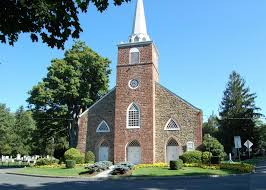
(134, 50)
(171, 119)
(98, 128)
(133, 127)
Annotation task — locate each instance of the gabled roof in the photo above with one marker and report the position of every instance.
(172, 93)
(97, 102)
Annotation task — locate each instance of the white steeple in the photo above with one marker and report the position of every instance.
(139, 32)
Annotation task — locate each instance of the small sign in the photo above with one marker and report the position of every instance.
(237, 141)
(190, 146)
(248, 144)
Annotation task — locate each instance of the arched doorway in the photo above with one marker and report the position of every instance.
(134, 152)
(103, 152)
(172, 152)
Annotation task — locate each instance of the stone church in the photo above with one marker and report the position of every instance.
(139, 120)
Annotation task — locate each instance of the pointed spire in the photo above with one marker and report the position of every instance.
(139, 32)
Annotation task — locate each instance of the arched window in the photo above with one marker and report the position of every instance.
(172, 142)
(134, 56)
(171, 125)
(134, 143)
(103, 128)
(133, 116)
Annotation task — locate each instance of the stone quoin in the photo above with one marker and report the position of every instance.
(139, 120)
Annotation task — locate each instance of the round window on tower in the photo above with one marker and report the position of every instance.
(133, 84)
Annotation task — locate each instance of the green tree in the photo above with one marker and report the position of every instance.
(237, 112)
(213, 145)
(211, 126)
(6, 132)
(72, 85)
(260, 137)
(24, 128)
(53, 21)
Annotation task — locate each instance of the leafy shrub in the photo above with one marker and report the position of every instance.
(122, 168)
(240, 167)
(215, 160)
(206, 157)
(107, 163)
(126, 164)
(46, 161)
(99, 167)
(74, 154)
(176, 164)
(156, 165)
(204, 166)
(89, 157)
(70, 164)
(191, 157)
(212, 144)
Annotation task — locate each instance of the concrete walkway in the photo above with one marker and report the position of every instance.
(105, 174)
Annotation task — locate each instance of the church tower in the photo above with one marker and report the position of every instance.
(137, 74)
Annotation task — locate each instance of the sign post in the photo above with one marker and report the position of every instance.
(238, 145)
(248, 144)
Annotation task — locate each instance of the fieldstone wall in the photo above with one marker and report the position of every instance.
(189, 118)
(103, 110)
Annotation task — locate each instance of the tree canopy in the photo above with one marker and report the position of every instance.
(52, 21)
(238, 112)
(211, 126)
(72, 85)
(6, 124)
(16, 131)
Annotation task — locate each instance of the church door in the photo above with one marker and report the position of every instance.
(172, 152)
(103, 152)
(134, 152)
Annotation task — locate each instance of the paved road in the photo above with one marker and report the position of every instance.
(255, 181)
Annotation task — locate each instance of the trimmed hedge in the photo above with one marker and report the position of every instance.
(74, 154)
(46, 161)
(192, 157)
(89, 157)
(240, 167)
(156, 165)
(70, 164)
(176, 164)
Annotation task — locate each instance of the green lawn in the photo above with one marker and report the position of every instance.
(254, 161)
(186, 171)
(53, 171)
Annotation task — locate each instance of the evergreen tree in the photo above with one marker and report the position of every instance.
(237, 112)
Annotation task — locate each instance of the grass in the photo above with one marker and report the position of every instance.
(254, 161)
(186, 171)
(53, 171)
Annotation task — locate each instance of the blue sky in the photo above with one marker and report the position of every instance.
(200, 44)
